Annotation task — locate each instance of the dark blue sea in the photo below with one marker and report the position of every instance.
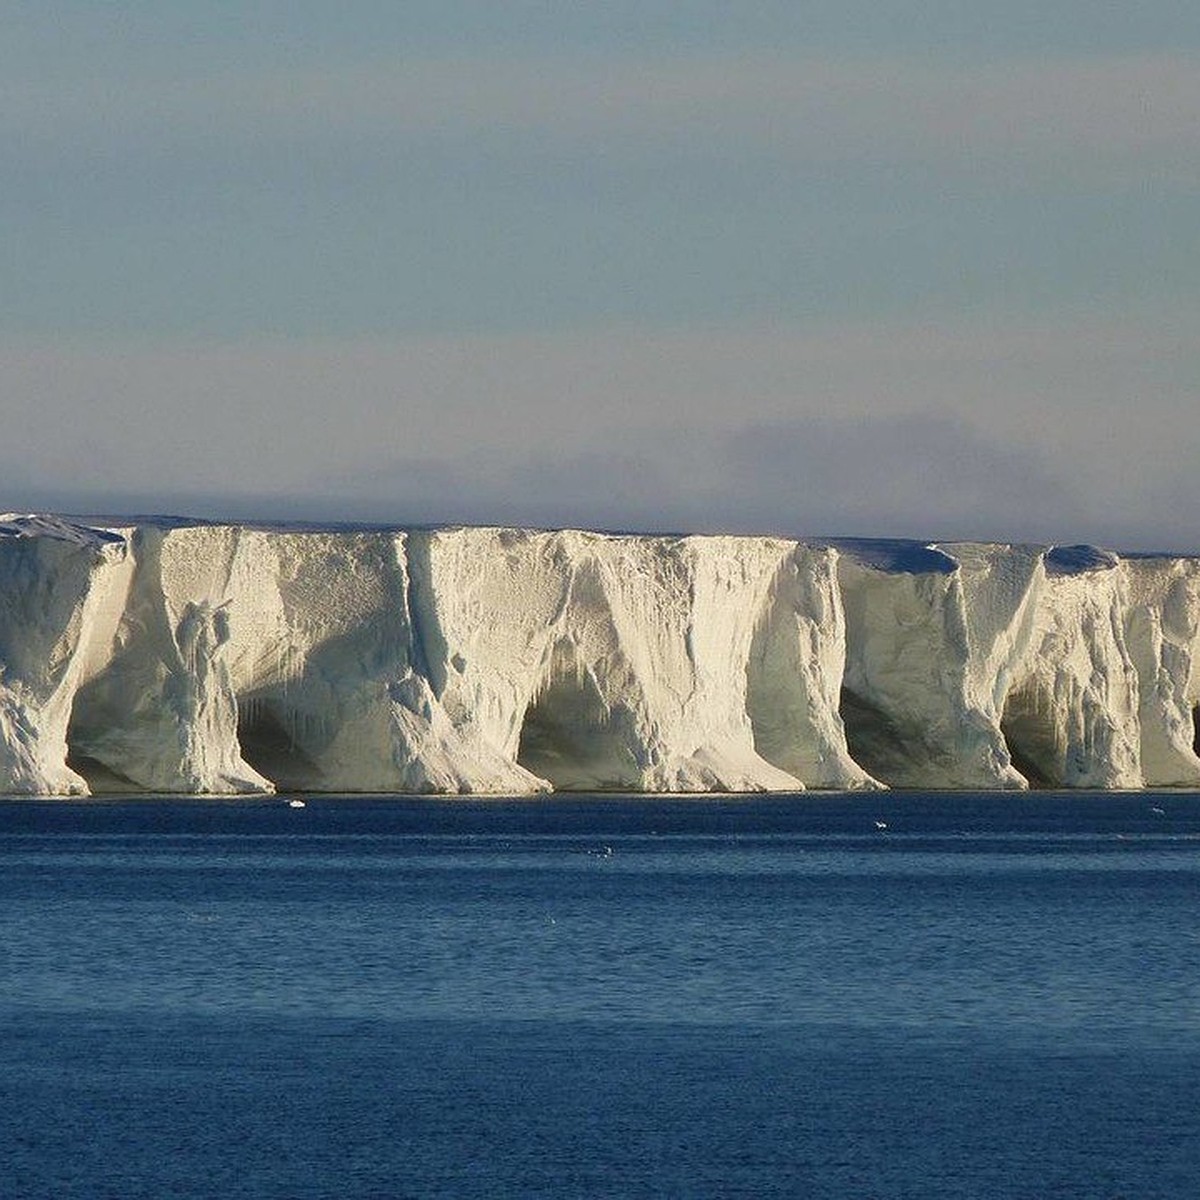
(811, 996)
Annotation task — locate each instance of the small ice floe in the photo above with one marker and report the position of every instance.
(295, 802)
(881, 825)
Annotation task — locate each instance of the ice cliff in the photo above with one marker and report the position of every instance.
(174, 656)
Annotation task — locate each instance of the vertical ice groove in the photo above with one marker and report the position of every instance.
(428, 650)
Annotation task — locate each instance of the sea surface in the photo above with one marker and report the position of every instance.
(811, 996)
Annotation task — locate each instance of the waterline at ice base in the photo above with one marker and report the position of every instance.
(178, 656)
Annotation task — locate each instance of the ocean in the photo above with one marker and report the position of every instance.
(888, 995)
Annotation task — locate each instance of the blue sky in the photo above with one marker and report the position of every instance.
(921, 269)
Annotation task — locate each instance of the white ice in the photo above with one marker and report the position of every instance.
(211, 658)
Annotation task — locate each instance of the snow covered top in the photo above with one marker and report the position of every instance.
(889, 555)
(1077, 560)
(896, 555)
(18, 525)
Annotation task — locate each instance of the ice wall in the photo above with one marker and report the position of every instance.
(918, 699)
(577, 660)
(1072, 710)
(158, 712)
(794, 674)
(58, 600)
(992, 666)
(178, 656)
(1163, 635)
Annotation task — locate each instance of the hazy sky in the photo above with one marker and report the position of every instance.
(911, 268)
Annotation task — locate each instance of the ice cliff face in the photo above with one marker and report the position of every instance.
(159, 711)
(1071, 712)
(1163, 636)
(625, 662)
(169, 656)
(56, 608)
(993, 666)
(918, 692)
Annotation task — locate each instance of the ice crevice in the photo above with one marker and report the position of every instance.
(180, 656)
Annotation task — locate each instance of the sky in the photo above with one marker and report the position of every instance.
(897, 268)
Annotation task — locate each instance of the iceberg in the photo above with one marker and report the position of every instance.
(182, 656)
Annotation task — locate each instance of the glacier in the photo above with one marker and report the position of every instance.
(172, 655)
